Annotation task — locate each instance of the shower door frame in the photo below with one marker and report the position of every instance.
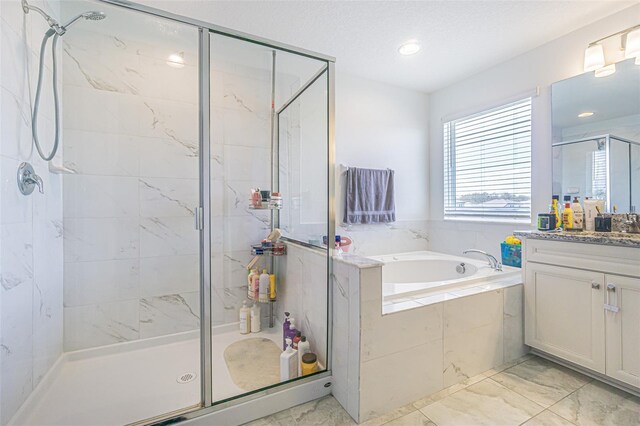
(307, 387)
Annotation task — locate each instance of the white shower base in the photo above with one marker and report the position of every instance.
(128, 382)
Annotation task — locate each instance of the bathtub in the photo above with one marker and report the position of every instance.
(421, 275)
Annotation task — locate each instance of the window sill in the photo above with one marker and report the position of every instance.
(495, 221)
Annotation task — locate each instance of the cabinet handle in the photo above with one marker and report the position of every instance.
(595, 285)
(611, 287)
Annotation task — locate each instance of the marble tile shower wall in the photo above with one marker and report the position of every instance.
(131, 251)
(30, 227)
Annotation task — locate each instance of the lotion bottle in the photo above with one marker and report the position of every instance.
(263, 291)
(245, 318)
(288, 363)
(567, 214)
(256, 326)
(578, 215)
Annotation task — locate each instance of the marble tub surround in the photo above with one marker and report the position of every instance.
(586, 237)
(484, 400)
(31, 246)
(398, 237)
(401, 357)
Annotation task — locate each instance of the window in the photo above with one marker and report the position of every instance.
(487, 164)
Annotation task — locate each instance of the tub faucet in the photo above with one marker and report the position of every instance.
(493, 262)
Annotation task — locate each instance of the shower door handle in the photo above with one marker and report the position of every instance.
(198, 218)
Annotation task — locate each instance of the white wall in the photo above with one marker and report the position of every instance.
(557, 60)
(383, 126)
(30, 226)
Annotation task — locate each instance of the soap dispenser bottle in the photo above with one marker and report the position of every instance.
(245, 318)
(288, 362)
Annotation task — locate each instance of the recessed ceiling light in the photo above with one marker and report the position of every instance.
(176, 60)
(411, 47)
(585, 114)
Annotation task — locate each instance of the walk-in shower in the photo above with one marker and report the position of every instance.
(167, 125)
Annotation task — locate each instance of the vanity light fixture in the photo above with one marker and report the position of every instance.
(593, 57)
(410, 47)
(594, 53)
(632, 48)
(606, 71)
(585, 114)
(176, 60)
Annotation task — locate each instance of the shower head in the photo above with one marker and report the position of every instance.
(91, 16)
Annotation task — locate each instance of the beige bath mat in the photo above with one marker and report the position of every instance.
(253, 363)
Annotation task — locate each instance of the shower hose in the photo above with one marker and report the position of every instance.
(56, 103)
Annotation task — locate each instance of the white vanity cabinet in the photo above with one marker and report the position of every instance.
(564, 314)
(582, 304)
(623, 329)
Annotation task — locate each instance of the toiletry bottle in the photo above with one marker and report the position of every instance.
(285, 329)
(288, 362)
(590, 213)
(291, 333)
(578, 215)
(272, 287)
(297, 339)
(255, 287)
(556, 210)
(263, 295)
(303, 348)
(252, 274)
(245, 318)
(256, 326)
(567, 214)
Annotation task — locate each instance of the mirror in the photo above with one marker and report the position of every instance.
(596, 137)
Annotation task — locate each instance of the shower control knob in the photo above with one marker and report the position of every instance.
(28, 179)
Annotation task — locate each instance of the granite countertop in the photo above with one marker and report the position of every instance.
(586, 237)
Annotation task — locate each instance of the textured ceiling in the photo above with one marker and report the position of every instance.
(458, 39)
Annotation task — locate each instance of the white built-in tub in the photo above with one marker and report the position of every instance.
(422, 275)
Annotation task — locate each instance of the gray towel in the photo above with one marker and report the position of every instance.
(369, 196)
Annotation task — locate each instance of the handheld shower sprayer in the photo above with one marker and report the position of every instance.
(56, 32)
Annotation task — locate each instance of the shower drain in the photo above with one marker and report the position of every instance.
(186, 378)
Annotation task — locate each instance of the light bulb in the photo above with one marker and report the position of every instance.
(593, 57)
(632, 48)
(606, 71)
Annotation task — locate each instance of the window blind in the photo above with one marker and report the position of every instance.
(487, 163)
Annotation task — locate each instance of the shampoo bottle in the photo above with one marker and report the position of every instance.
(255, 287)
(255, 318)
(252, 274)
(567, 214)
(263, 293)
(272, 287)
(285, 330)
(578, 215)
(288, 362)
(556, 210)
(291, 333)
(245, 318)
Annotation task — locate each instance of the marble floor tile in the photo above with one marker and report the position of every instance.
(547, 418)
(484, 403)
(448, 391)
(412, 419)
(325, 411)
(541, 381)
(393, 415)
(599, 404)
(493, 371)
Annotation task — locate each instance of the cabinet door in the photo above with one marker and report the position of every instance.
(623, 329)
(564, 313)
